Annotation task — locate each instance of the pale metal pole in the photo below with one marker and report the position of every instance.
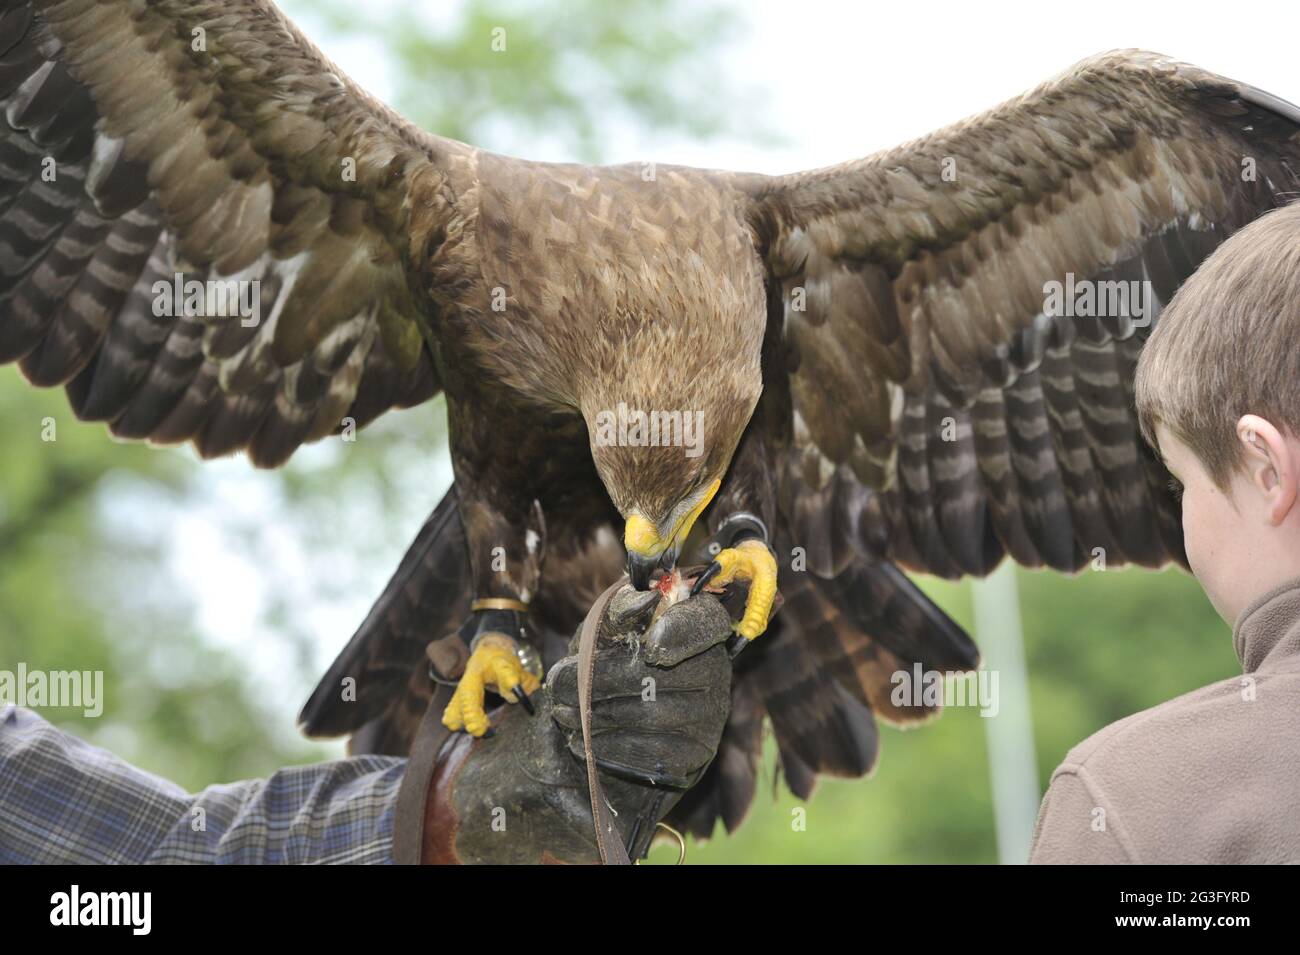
(1009, 733)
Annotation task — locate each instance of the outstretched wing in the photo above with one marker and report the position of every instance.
(919, 353)
(921, 406)
(144, 146)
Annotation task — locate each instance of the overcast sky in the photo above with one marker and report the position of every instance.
(844, 79)
(846, 82)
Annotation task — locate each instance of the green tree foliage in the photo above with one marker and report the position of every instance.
(512, 74)
(80, 591)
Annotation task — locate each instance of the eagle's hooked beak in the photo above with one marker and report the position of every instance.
(640, 566)
(648, 549)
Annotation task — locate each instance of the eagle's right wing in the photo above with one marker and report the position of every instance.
(211, 140)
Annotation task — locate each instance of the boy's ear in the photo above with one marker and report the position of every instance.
(1271, 465)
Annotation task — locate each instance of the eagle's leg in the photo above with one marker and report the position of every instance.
(501, 661)
(749, 558)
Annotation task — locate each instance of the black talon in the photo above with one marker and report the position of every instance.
(522, 697)
(489, 733)
(709, 573)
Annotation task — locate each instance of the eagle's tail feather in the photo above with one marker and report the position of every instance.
(726, 789)
(826, 668)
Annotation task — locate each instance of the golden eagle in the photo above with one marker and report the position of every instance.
(868, 352)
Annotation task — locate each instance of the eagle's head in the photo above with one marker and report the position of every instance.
(664, 419)
(661, 347)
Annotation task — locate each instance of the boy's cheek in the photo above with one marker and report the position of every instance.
(1196, 542)
(1208, 545)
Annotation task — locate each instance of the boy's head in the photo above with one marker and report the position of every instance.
(1218, 397)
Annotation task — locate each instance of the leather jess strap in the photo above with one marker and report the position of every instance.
(412, 795)
(608, 841)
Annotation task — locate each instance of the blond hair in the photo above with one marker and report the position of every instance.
(1228, 344)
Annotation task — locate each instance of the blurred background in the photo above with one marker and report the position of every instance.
(213, 596)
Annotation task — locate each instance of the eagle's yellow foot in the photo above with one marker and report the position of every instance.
(494, 665)
(749, 560)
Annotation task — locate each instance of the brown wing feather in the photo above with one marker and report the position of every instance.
(208, 139)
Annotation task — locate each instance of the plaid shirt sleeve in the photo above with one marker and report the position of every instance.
(65, 801)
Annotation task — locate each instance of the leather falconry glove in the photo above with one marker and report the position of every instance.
(661, 695)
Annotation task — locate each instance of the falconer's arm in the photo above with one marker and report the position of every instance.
(65, 801)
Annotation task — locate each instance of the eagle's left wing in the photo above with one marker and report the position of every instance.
(921, 407)
(917, 353)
